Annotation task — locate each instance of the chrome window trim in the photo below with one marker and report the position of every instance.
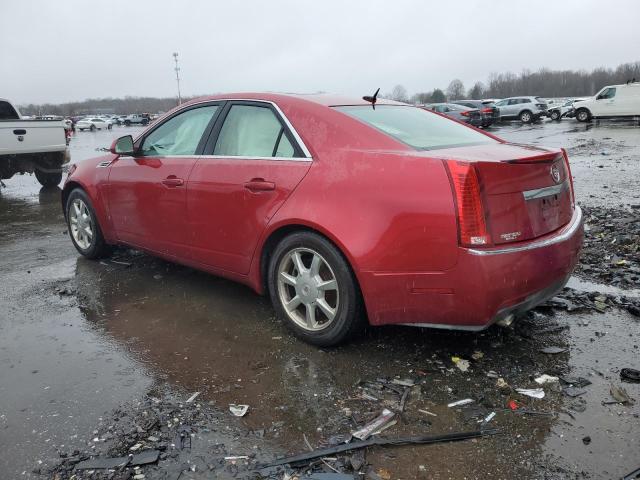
(545, 191)
(575, 224)
(294, 132)
(241, 157)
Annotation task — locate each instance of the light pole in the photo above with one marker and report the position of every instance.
(177, 69)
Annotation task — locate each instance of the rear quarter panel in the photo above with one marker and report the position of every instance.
(388, 207)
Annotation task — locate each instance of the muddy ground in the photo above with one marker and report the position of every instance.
(99, 357)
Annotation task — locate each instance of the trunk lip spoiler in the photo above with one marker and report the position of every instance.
(566, 232)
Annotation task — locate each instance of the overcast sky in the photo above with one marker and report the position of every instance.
(64, 50)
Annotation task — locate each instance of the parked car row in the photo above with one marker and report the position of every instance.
(614, 101)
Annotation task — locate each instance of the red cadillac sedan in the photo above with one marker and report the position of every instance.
(344, 213)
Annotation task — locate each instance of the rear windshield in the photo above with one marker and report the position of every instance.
(7, 112)
(416, 127)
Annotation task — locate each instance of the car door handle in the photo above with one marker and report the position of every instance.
(259, 185)
(173, 181)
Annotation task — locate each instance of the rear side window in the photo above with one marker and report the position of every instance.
(180, 135)
(416, 127)
(250, 131)
(7, 112)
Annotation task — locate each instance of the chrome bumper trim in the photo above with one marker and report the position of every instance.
(575, 224)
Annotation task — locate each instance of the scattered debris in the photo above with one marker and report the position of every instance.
(461, 363)
(459, 403)
(586, 440)
(553, 350)
(238, 410)
(620, 395)
(578, 382)
(427, 412)
(531, 392)
(192, 397)
(632, 475)
(477, 355)
(374, 425)
(406, 382)
(544, 379)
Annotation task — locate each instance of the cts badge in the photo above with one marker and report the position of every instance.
(555, 174)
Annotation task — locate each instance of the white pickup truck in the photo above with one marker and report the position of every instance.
(31, 146)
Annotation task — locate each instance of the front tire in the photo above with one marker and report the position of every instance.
(92, 128)
(127, 123)
(583, 115)
(83, 226)
(555, 115)
(314, 290)
(526, 116)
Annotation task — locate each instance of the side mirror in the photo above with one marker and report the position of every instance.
(123, 146)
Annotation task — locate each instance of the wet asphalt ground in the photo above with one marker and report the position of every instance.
(87, 346)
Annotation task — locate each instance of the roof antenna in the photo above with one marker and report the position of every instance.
(373, 99)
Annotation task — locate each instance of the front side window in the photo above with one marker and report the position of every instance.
(607, 93)
(416, 127)
(252, 131)
(501, 103)
(180, 135)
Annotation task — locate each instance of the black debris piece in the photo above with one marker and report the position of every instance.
(578, 382)
(630, 375)
(383, 442)
(103, 463)
(573, 391)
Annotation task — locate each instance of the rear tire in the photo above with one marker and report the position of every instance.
(48, 179)
(583, 115)
(314, 291)
(526, 117)
(92, 128)
(81, 219)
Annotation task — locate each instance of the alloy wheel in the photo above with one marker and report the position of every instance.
(308, 289)
(81, 224)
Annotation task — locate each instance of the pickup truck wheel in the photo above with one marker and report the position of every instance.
(92, 128)
(127, 123)
(48, 179)
(555, 115)
(583, 115)
(84, 229)
(145, 122)
(313, 289)
(526, 117)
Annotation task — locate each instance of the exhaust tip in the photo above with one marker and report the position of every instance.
(506, 321)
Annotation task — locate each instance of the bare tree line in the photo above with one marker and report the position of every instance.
(543, 83)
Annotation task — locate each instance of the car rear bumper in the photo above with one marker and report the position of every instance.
(484, 287)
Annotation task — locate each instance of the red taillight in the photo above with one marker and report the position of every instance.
(566, 165)
(464, 113)
(487, 110)
(472, 226)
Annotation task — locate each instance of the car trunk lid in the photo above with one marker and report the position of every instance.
(526, 192)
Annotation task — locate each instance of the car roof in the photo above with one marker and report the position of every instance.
(326, 99)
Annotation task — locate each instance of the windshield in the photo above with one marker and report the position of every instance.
(416, 127)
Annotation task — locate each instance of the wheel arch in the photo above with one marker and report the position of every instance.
(589, 114)
(279, 232)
